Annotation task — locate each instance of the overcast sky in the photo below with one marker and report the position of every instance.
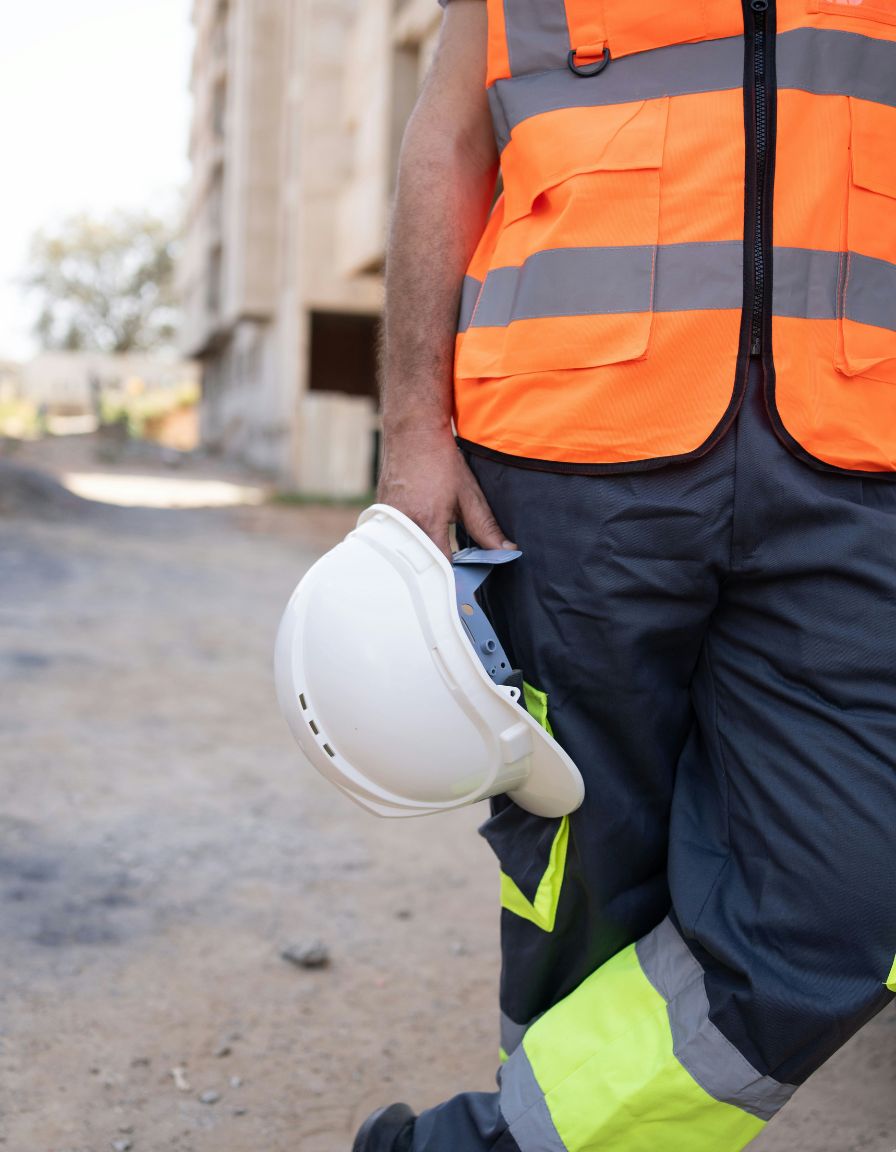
(94, 115)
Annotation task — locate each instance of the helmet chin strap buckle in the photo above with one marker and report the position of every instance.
(472, 567)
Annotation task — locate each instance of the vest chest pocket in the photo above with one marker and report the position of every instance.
(867, 283)
(571, 276)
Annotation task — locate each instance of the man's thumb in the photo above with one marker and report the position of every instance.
(480, 522)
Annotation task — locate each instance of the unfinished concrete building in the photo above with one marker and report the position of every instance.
(298, 110)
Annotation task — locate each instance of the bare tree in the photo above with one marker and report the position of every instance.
(104, 285)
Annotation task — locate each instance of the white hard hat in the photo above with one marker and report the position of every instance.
(382, 687)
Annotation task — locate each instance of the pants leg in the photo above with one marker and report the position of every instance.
(605, 614)
(742, 696)
(786, 895)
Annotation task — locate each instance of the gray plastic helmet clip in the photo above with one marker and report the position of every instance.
(472, 567)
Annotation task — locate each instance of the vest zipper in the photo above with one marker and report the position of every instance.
(760, 91)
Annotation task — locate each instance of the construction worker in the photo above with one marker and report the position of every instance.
(669, 352)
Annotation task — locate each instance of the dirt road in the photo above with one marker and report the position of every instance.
(160, 843)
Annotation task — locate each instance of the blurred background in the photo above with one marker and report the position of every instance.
(201, 193)
(202, 945)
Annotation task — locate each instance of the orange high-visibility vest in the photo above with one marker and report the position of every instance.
(685, 185)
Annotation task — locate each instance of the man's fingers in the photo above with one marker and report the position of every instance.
(432, 484)
(479, 520)
(439, 537)
(434, 525)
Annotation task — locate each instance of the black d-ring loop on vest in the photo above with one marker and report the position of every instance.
(587, 69)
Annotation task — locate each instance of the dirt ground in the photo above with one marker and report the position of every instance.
(161, 842)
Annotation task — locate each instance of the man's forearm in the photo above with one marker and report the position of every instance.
(445, 187)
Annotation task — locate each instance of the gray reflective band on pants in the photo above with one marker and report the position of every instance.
(525, 1109)
(816, 60)
(710, 1058)
(537, 34)
(512, 1034)
(688, 277)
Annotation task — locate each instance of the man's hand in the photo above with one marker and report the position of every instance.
(425, 476)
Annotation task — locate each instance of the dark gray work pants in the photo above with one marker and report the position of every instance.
(717, 642)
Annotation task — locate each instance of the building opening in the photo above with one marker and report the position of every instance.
(343, 359)
(343, 353)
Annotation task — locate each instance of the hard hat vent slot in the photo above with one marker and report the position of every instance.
(302, 702)
(314, 728)
(329, 751)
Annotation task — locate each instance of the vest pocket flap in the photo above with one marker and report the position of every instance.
(550, 149)
(866, 343)
(571, 275)
(552, 342)
(873, 136)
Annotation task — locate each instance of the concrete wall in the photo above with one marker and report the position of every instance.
(287, 216)
(62, 380)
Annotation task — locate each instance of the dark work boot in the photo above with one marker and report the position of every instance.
(388, 1129)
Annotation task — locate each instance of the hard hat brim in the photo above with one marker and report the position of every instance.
(524, 761)
(554, 786)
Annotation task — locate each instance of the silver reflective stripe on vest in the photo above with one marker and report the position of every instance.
(500, 123)
(689, 277)
(829, 63)
(708, 1055)
(818, 285)
(537, 35)
(568, 282)
(869, 294)
(816, 60)
(525, 1109)
(601, 281)
(700, 276)
(469, 294)
(681, 69)
(512, 1034)
(805, 283)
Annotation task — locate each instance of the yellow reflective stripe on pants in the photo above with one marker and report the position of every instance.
(891, 979)
(542, 910)
(537, 706)
(609, 1055)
